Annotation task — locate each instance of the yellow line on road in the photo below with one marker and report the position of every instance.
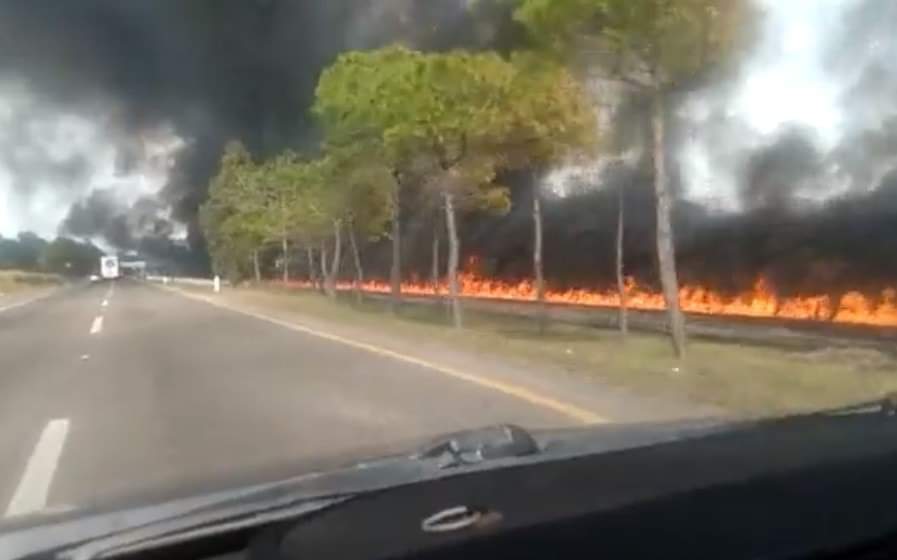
(570, 410)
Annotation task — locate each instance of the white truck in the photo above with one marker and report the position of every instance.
(109, 267)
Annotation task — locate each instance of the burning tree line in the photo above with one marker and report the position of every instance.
(446, 125)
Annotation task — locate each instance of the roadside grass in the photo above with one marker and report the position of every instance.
(17, 280)
(743, 379)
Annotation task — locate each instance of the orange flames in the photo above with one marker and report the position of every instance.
(760, 301)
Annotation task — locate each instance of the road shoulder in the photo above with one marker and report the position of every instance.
(588, 400)
(25, 297)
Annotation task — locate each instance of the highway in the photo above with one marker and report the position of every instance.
(113, 391)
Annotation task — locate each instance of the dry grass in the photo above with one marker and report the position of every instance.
(744, 379)
(17, 280)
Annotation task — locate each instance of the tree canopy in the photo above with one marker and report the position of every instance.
(442, 125)
(650, 42)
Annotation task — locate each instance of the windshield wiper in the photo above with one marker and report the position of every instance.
(472, 447)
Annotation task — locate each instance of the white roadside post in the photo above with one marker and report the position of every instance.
(217, 284)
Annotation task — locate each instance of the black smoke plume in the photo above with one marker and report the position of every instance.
(214, 70)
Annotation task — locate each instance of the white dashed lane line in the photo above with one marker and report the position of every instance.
(34, 486)
(97, 326)
(105, 303)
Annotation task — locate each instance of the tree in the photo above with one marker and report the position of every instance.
(357, 100)
(234, 219)
(430, 108)
(363, 186)
(655, 45)
(279, 186)
(550, 120)
(623, 320)
(69, 257)
(467, 185)
(304, 207)
(22, 253)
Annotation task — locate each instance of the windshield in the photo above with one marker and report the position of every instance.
(246, 240)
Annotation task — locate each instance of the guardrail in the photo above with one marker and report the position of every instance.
(214, 283)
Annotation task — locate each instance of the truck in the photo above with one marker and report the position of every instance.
(109, 267)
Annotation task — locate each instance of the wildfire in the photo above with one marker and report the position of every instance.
(760, 301)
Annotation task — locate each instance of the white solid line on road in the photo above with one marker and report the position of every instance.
(25, 302)
(521, 392)
(97, 326)
(31, 493)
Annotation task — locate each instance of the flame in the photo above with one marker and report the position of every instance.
(760, 301)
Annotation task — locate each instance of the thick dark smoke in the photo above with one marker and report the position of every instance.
(777, 173)
(212, 70)
(121, 225)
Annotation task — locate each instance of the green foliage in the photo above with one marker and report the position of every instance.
(231, 218)
(69, 257)
(549, 117)
(666, 40)
(362, 185)
(22, 253)
(448, 121)
(62, 256)
(461, 116)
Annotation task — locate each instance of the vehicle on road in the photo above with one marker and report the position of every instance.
(109, 268)
(814, 486)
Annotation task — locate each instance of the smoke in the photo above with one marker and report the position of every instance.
(113, 116)
(787, 169)
(92, 91)
(811, 115)
(778, 174)
(118, 223)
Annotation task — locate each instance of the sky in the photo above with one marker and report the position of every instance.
(785, 83)
(52, 158)
(54, 154)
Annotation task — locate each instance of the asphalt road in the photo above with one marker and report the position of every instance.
(111, 393)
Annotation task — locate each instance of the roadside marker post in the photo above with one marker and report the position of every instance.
(217, 283)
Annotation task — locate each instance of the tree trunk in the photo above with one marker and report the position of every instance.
(453, 259)
(434, 266)
(335, 263)
(323, 265)
(255, 267)
(538, 271)
(621, 283)
(285, 247)
(356, 258)
(312, 274)
(666, 256)
(395, 271)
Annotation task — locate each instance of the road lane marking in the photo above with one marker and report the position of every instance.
(31, 493)
(97, 326)
(105, 303)
(567, 409)
(25, 302)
